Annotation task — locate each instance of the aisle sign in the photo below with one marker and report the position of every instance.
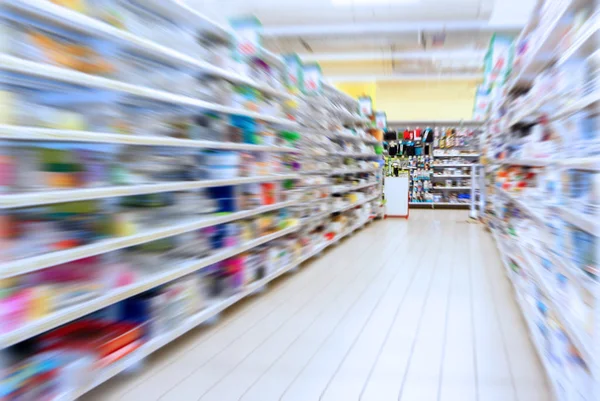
(381, 120)
(247, 38)
(365, 105)
(311, 78)
(293, 71)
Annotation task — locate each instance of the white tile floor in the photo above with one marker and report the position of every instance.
(413, 310)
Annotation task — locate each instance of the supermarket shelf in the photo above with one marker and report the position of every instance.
(79, 310)
(27, 265)
(461, 155)
(353, 205)
(527, 162)
(582, 163)
(432, 204)
(358, 155)
(450, 188)
(452, 176)
(316, 216)
(70, 19)
(70, 195)
(309, 172)
(429, 123)
(587, 32)
(47, 71)
(532, 213)
(451, 165)
(545, 44)
(156, 343)
(526, 114)
(344, 171)
(526, 313)
(586, 101)
(579, 339)
(48, 134)
(587, 222)
(354, 187)
(350, 137)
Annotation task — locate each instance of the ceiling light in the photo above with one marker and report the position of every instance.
(371, 2)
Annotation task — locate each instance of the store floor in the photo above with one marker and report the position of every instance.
(413, 310)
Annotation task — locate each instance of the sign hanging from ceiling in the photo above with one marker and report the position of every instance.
(248, 36)
(365, 105)
(293, 71)
(381, 120)
(311, 79)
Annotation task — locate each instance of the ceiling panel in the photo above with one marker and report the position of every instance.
(330, 29)
(310, 12)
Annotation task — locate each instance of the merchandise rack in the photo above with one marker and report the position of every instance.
(345, 113)
(202, 317)
(554, 282)
(442, 154)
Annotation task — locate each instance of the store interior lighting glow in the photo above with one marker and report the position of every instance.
(372, 2)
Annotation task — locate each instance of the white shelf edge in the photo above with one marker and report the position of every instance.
(356, 155)
(578, 105)
(463, 155)
(527, 162)
(355, 204)
(15, 132)
(523, 206)
(353, 171)
(156, 343)
(519, 77)
(27, 265)
(583, 163)
(83, 23)
(576, 337)
(354, 188)
(77, 311)
(524, 313)
(586, 222)
(452, 165)
(46, 71)
(68, 195)
(587, 31)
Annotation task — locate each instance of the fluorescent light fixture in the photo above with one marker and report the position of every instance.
(371, 2)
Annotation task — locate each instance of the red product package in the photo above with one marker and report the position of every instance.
(97, 336)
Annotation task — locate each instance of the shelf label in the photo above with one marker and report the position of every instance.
(365, 106)
(293, 71)
(381, 120)
(311, 79)
(248, 40)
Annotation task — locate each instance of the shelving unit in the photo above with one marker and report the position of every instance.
(275, 166)
(434, 155)
(546, 231)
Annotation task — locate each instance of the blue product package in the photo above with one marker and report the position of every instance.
(226, 198)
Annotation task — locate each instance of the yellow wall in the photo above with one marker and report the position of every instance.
(418, 100)
(358, 89)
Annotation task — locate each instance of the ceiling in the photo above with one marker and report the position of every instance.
(380, 39)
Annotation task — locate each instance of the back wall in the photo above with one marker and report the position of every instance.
(418, 100)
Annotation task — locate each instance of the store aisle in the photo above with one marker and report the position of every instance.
(411, 310)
